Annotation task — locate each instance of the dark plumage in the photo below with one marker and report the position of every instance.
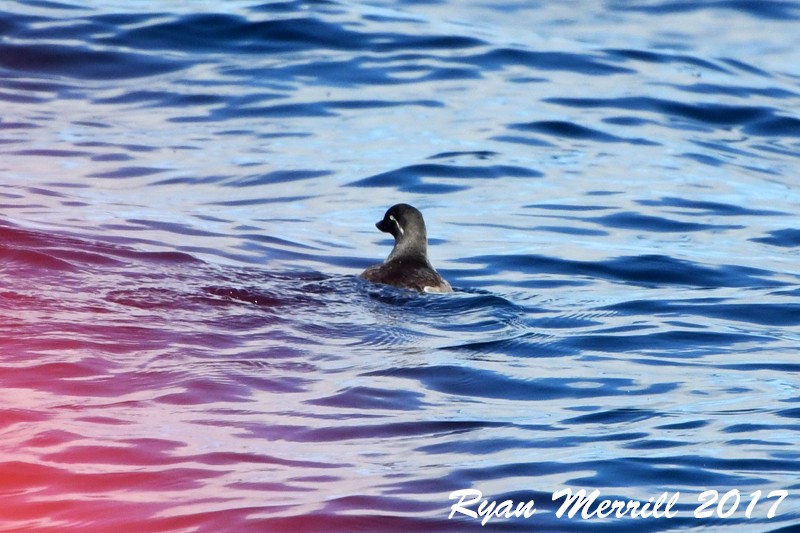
(407, 266)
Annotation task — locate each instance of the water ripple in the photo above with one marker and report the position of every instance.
(190, 192)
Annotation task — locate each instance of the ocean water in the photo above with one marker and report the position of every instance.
(189, 190)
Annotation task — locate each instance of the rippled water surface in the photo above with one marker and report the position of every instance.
(189, 190)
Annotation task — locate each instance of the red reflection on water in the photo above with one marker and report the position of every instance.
(109, 382)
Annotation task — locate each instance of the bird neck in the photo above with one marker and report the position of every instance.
(410, 246)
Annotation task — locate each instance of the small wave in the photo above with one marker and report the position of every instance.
(643, 269)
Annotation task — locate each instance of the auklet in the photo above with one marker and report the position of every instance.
(407, 266)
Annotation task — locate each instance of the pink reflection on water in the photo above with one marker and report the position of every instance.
(125, 383)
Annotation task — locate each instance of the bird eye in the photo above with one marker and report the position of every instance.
(399, 227)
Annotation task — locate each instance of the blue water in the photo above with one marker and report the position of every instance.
(189, 190)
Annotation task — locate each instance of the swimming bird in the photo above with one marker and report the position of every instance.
(407, 266)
